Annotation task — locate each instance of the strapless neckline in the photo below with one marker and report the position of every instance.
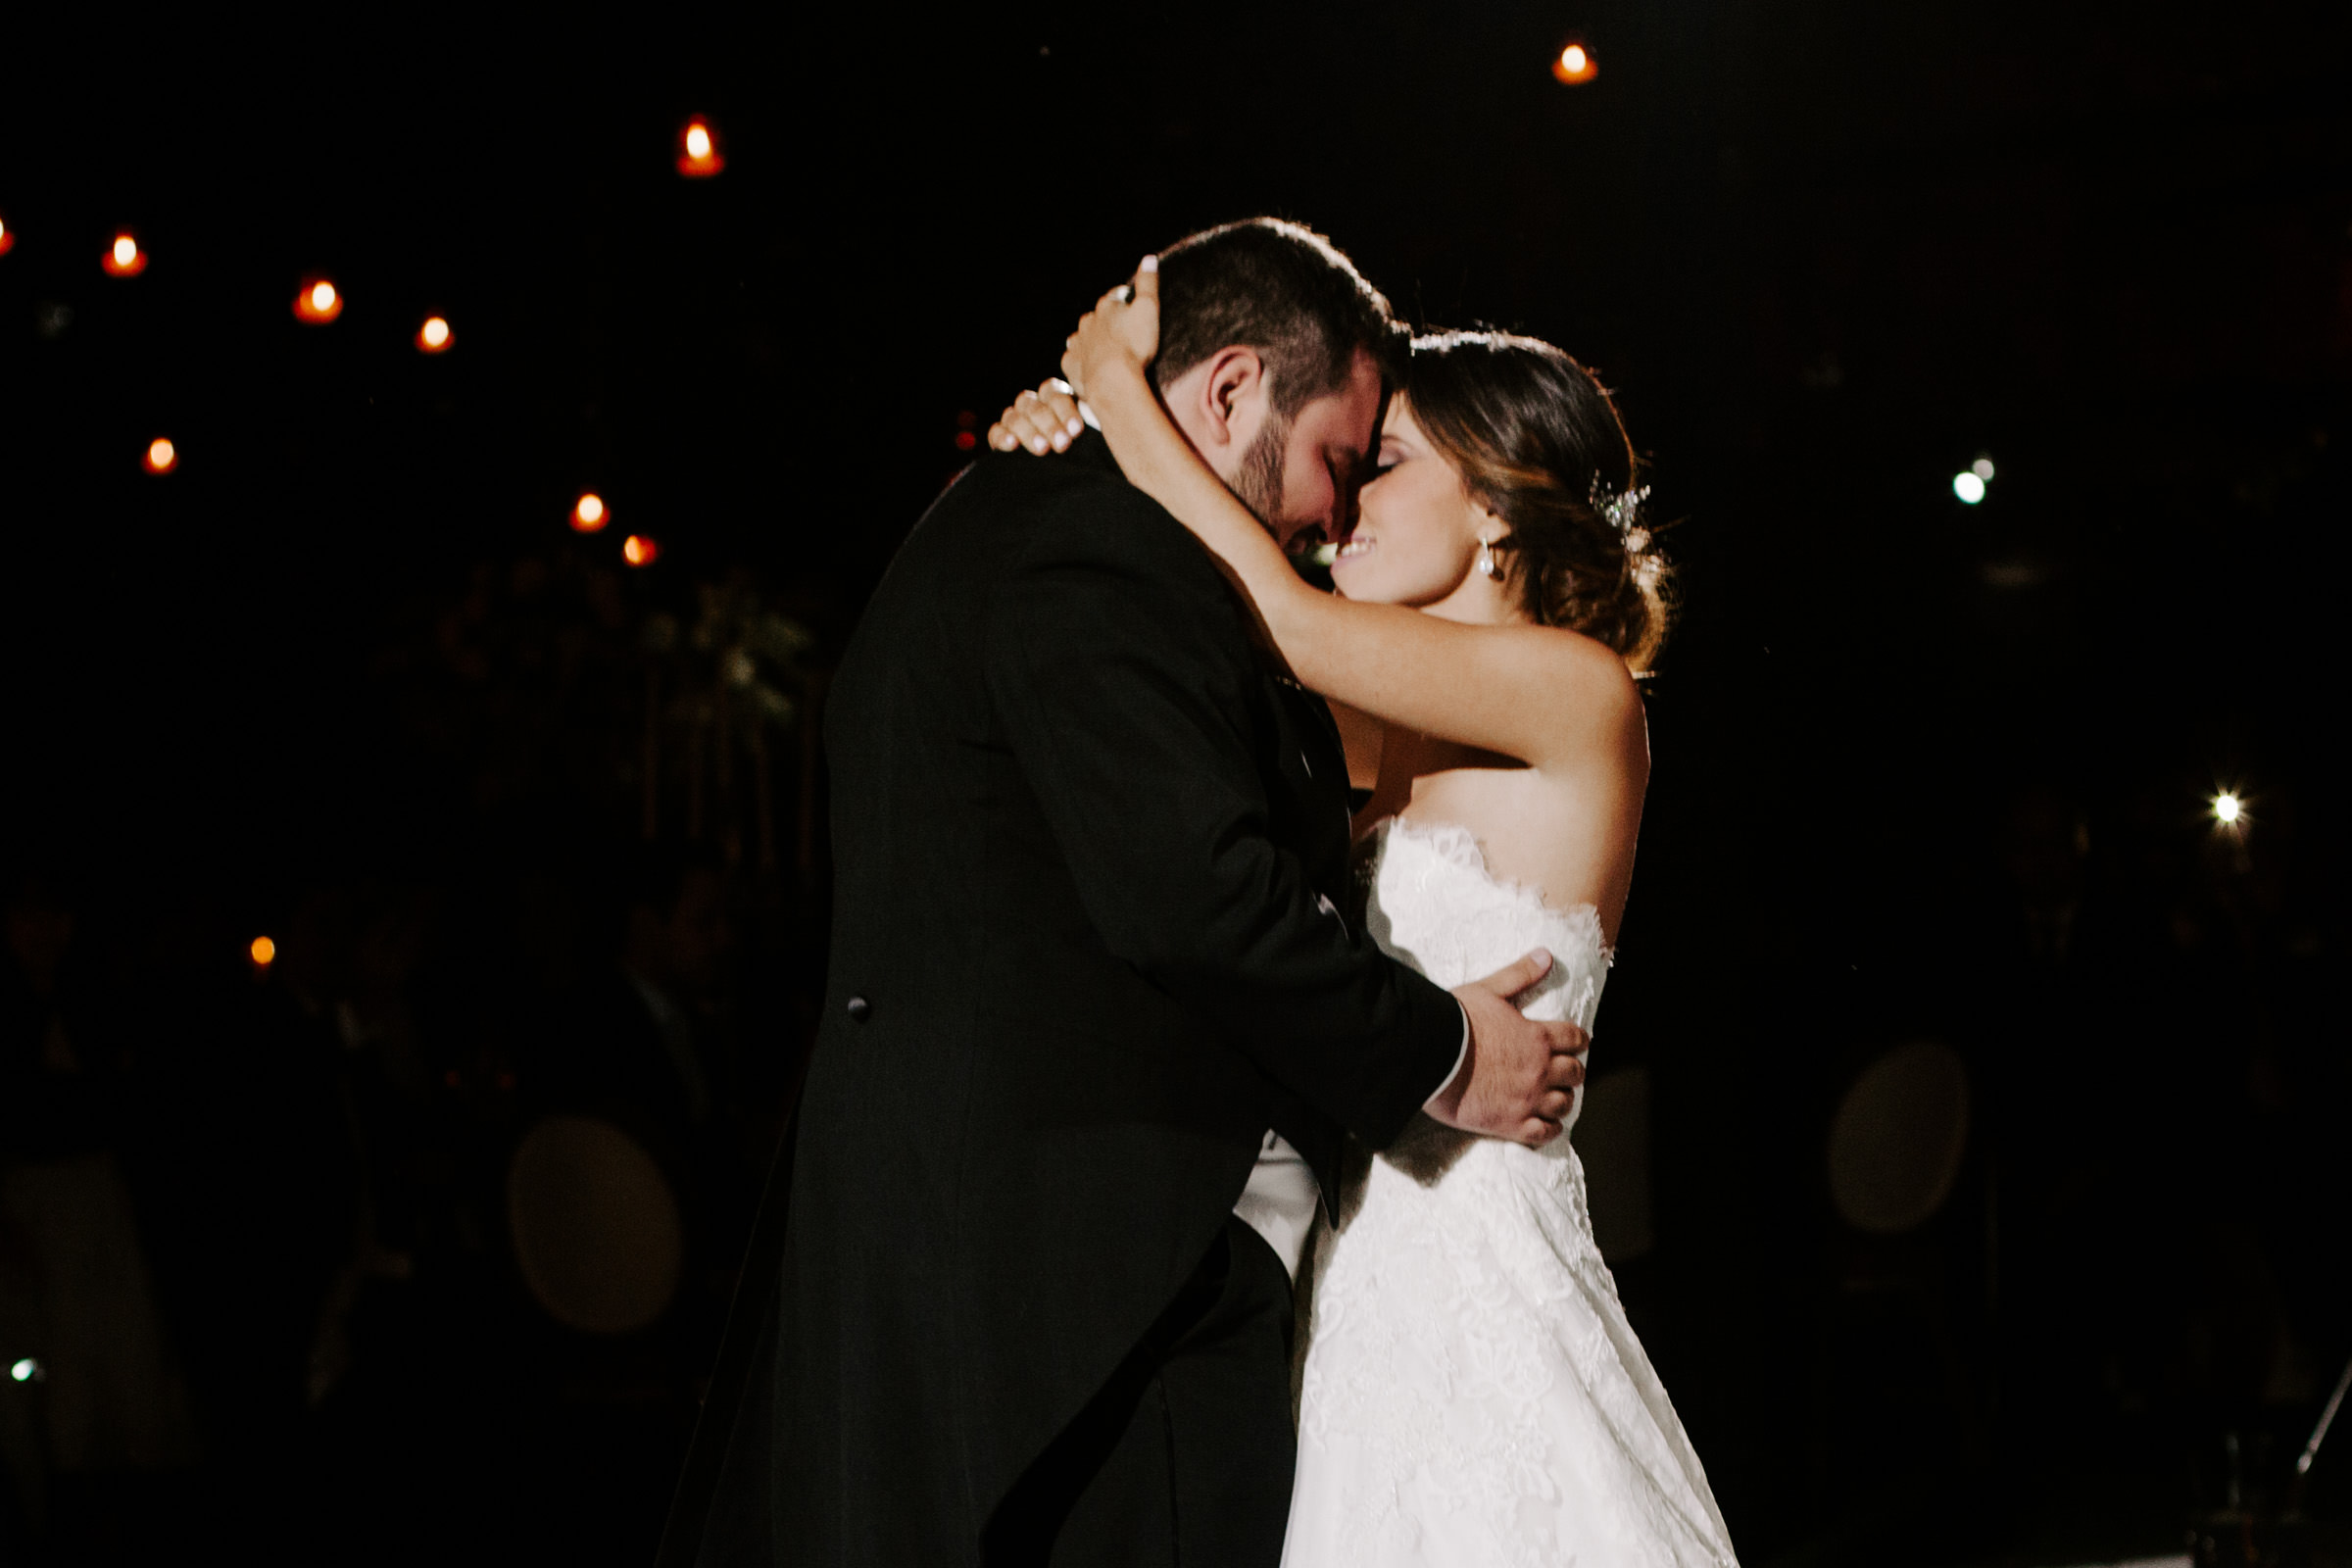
(1453, 843)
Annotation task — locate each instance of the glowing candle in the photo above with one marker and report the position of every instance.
(433, 336)
(125, 258)
(639, 550)
(699, 156)
(1574, 65)
(588, 514)
(162, 456)
(319, 302)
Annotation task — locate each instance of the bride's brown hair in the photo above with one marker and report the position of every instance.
(1538, 443)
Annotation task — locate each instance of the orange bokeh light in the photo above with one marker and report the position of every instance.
(1574, 65)
(264, 950)
(698, 156)
(125, 257)
(162, 456)
(639, 550)
(8, 237)
(434, 335)
(588, 514)
(319, 302)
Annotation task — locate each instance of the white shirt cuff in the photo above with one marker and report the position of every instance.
(1461, 1059)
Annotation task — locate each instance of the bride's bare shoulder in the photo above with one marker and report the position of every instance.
(1584, 673)
(1588, 727)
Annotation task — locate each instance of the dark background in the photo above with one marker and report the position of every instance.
(1922, 769)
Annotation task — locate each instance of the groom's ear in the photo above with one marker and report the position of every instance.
(1233, 395)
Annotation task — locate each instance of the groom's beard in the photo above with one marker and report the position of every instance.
(1257, 482)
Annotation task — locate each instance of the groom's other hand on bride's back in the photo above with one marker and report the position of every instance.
(1519, 1075)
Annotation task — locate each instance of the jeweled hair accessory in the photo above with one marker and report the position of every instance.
(1624, 511)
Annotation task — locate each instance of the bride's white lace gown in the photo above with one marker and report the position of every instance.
(1472, 1394)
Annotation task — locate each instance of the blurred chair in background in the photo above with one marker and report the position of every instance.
(89, 1396)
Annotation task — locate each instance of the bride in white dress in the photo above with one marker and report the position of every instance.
(1472, 1394)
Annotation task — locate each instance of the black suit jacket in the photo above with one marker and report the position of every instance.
(1089, 855)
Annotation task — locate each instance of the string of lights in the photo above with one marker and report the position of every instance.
(318, 301)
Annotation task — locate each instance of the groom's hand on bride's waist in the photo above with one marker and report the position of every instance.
(1518, 1076)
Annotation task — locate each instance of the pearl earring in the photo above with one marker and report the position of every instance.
(1486, 560)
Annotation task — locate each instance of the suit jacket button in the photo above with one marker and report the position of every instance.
(860, 1009)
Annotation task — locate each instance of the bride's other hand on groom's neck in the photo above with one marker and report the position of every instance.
(1299, 475)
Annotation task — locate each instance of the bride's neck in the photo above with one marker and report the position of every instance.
(1479, 599)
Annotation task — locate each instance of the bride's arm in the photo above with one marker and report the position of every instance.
(1539, 694)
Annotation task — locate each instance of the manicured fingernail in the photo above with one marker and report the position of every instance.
(1076, 427)
(1150, 264)
(1037, 444)
(1062, 442)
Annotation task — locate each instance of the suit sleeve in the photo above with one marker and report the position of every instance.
(1119, 667)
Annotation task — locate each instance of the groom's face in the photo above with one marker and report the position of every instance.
(1304, 474)
(1299, 475)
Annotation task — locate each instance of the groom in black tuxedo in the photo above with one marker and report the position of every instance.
(1096, 1026)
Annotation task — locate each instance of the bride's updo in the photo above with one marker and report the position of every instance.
(1538, 443)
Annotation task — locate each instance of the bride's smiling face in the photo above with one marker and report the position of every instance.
(1417, 531)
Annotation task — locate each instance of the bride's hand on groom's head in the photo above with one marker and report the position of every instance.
(1120, 333)
(1044, 421)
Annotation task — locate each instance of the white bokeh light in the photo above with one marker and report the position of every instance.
(1968, 486)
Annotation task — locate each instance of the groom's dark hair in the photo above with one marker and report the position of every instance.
(1281, 289)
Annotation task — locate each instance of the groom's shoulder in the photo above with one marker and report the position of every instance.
(1069, 511)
